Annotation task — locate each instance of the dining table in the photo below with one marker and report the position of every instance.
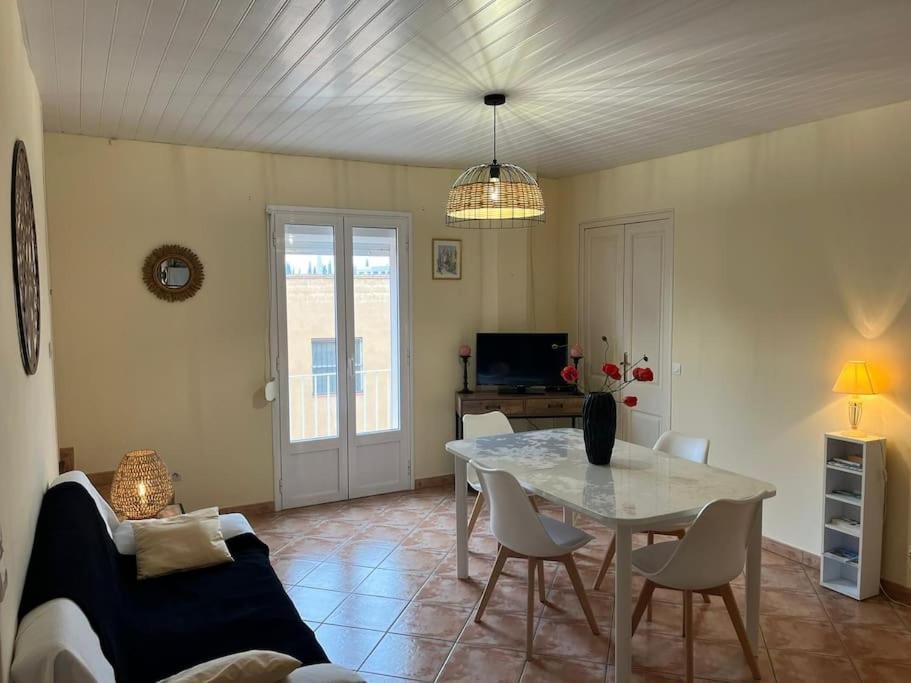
(639, 490)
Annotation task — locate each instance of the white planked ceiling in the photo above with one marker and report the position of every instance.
(591, 83)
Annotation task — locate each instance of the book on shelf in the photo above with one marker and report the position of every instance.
(845, 554)
(848, 493)
(846, 523)
(854, 462)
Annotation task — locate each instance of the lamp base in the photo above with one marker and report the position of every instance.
(855, 410)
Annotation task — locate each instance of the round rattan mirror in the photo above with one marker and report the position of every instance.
(172, 272)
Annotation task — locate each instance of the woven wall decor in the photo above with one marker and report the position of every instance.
(173, 273)
(26, 282)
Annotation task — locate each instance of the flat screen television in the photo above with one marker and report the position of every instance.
(521, 359)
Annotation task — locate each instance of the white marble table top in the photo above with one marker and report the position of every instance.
(640, 487)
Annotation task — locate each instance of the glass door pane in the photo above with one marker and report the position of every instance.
(376, 329)
(310, 300)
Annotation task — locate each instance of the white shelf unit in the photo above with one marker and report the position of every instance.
(864, 504)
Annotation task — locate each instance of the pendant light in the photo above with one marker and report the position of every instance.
(494, 195)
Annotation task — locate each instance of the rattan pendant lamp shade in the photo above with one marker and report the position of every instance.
(495, 196)
(142, 486)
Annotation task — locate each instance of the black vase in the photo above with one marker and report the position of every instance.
(599, 427)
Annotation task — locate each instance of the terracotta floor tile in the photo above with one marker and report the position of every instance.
(491, 665)
(804, 667)
(561, 670)
(511, 596)
(872, 612)
(317, 549)
(789, 578)
(275, 541)
(564, 605)
(451, 590)
(379, 678)
(335, 577)
(496, 629)
(726, 662)
(389, 583)
(336, 529)
(429, 539)
(403, 518)
(571, 639)
(482, 544)
(444, 522)
(785, 604)
(479, 566)
(363, 553)
(788, 633)
(431, 620)
(382, 533)
(883, 672)
(290, 570)
(314, 603)
(367, 611)
(347, 646)
(408, 657)
(667, 619)
(875, 642)
(405, 559)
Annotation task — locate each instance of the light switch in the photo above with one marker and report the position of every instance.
(676, 369)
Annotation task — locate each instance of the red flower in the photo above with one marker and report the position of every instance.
(569, 374)
(630, 401)
(643, 374)
(611, 370)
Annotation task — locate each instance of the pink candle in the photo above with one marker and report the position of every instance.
(464, 351)
(575, 351)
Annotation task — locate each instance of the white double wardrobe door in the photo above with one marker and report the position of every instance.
(341, 354)
(626, 288)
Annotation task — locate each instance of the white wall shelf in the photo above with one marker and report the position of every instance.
(857, 579)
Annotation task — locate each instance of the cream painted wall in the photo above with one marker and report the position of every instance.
(793, 254)
(187, 378)
(28, 440)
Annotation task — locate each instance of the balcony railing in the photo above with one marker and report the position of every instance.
(314, 414)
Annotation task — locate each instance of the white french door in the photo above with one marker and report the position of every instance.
(626, 287)
(341, 351)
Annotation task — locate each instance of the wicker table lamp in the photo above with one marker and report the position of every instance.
(142, 486)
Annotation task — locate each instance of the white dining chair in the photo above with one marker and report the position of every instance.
(524, 533)
(691, 448)
(474, 427)
(705, 560)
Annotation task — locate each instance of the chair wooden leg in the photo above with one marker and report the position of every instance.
(731, 603)
(576, 580)
(530, 619)
(705, 598)
(531, 499)
(475, 513)
(542, 589)
(645, 596)
(605, 564)
(502, 556)
(648, 613)
(688, 621)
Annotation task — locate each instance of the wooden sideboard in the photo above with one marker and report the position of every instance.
(527, 405)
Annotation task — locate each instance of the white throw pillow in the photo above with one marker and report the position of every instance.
(56, 644)
(324, 673)
(253, 666)
(181, 543)
(232, 524)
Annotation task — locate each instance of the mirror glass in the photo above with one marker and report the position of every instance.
(173, 273)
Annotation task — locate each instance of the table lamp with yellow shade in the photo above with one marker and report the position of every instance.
(142, 486)
(854, 379)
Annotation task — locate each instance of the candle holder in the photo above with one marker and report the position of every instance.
(465, 389)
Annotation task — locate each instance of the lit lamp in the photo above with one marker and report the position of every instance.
(854, 379)
(142, 486)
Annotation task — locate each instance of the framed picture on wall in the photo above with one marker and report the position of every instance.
(447, 259)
